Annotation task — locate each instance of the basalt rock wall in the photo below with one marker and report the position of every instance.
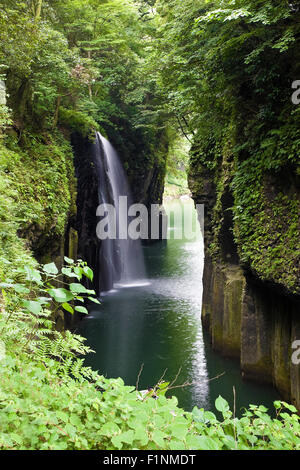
(251, 302)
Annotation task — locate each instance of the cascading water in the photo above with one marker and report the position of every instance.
(121, 260)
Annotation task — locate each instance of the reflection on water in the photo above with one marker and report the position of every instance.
(158, 323)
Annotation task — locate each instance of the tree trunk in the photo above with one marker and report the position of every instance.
(38, 10)
(55, 119)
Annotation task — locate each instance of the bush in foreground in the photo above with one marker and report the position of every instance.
(49, 400)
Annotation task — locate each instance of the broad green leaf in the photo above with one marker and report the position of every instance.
(117, 442)
(62, 416)
(158, 438)
(77, 288)
(21, 289)
(207, 443)
(68, 308)
(78, 271)
(126, 437)
(162, 388)
(33, 275)
(33, 306)
(88, 272)
(68, 260)
(176, 445)
(68, 272)
(290, 407)
(109, 429)
(81, 309)
(221, 404)
(17, 438)
(50, 268)
(6, 285)
(75, 420)
(141, 435)
(198, 415)
(61, 295)
(179, 430)
(44, 300)
(90, 291)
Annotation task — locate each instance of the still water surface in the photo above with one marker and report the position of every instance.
(158, 324)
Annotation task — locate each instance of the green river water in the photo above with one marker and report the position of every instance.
(156, 325)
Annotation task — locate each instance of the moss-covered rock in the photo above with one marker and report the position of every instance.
(252, 271)
(37, 194)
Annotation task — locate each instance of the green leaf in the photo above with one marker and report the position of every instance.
(69, 273)
(96, 301)
(33, 306)
(81, 309)
(50, 268)
(207, 443)
(141, 435)
(177, 445)
(15, 437)
(109, 429)
(44, 300)
(90, 291)
(62, 416)
(6, 285)
(117, 442)
(68, 308)
(88, 272)
(61, 295)
(126, 437)
(78, 271)
(198, 415)
(158, 438)
(77, 288)
(68, 260)
(32, 275)
(21, 289)
(162, 388)
(75, 420)
(289, 407)
(179, 430)
(221, 404)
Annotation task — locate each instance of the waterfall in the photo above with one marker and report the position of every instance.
(121, 260)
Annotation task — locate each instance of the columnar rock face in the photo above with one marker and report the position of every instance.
(87, 202)
(249, 315)
(250, 321)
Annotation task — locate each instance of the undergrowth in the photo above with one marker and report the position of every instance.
(50, 400)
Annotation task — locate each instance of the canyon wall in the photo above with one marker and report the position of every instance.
(251, 303)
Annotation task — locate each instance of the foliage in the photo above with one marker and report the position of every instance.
(177, 162)
(217, 72)
(227, 68)
(50, 400)
(82, 66)
(77, 121)
(5, 119)
(85, 57)
(37, 193)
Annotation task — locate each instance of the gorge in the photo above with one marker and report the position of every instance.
(172, 105)
(245, 318)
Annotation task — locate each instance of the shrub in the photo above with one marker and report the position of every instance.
(50, 400)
